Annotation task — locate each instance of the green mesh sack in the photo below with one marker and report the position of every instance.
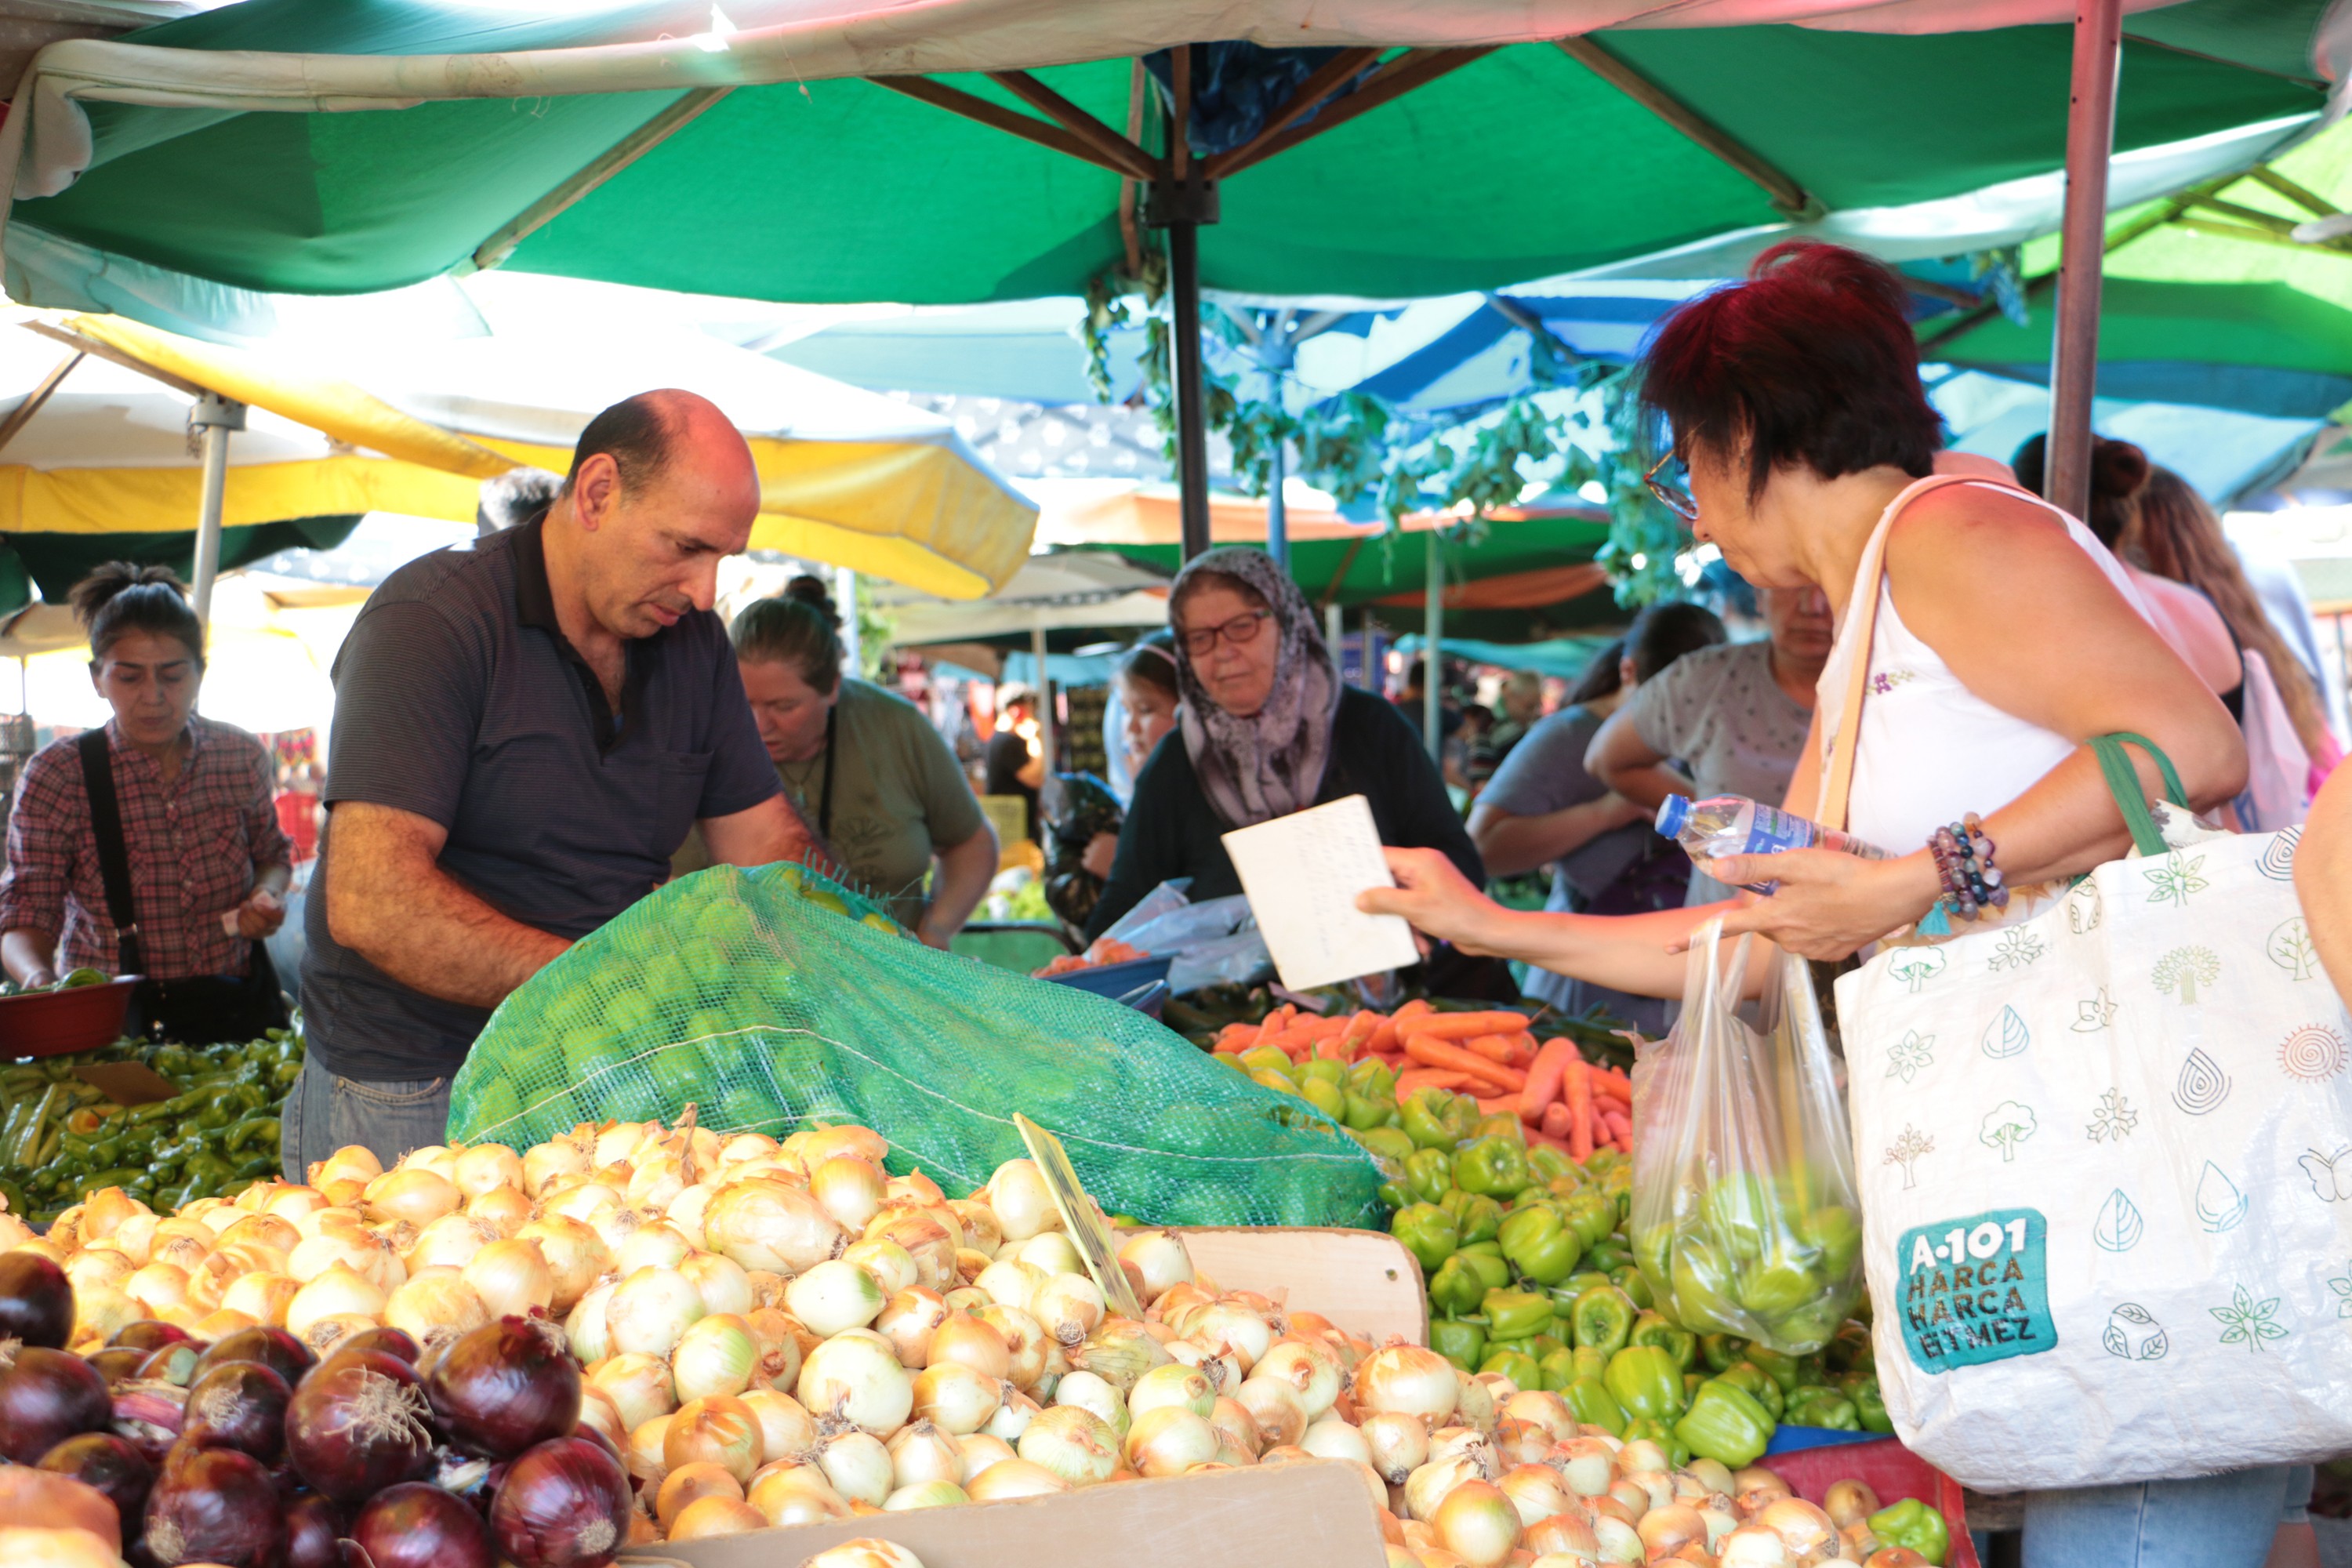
(771, 998)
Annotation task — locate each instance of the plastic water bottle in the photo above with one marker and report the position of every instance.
(1734, 824)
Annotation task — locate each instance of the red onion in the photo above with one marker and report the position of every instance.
(111, 1464)
(151, 1335)
(215, 1505)
(276, 1349)
(504, 1387)
(149, 1415)
(118, 1363)
(421, 1526)
(564, 1504)
(313, 1526)
(392, 1341)
(46, 1397)
(358, 1427)
(36, 1302)
(174, 1364)
(242, 1405)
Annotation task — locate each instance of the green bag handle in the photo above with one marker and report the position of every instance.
(2123, 782)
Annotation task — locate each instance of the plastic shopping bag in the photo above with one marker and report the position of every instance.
(1744, 1216)
(1215, 941)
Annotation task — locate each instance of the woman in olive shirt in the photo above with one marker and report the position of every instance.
(867, 771)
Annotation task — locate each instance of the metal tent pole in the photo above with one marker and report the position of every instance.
(1044, 697)
(1277, 515)
(1180, 202)
(1432, 639)
(2074, 345)
(844, 598)
(215, 417)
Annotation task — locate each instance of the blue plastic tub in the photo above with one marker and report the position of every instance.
(1796, 1440)
(1117, 980)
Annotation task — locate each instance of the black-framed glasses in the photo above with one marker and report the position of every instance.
(1670, 482)
(1243, 628)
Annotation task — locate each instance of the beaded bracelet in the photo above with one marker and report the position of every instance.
(1971, 883)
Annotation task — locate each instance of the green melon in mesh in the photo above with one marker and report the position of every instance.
(774, 998)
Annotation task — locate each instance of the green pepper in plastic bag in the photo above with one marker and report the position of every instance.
(1819, 1406)
(1914, 1524)
(1427, 1232)
(1602, 1320)
(1759, 1384)
(1517, 1314)
(1491, 1166)
(1725, 1423)
(1651, 1329)
(1540, 1245)
(1646, 1382)
(1595, 1406)
(1462, 1344)
(1704, 1287)
(1455, 1289)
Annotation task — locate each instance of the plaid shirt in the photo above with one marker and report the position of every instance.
(194, 849)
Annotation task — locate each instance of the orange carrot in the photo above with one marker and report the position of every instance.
(1278, 1020)
(1544, 1079)
(1359, 1031)
(1606, 1088)
(1385, 1037)
(1577, 1085)
(1621, 1128)
(1439, 1054)
(1464, 1025)
(1547, 1141)
(1523, 1050)
(1500, 1105)
(1493, 1048)
(1555, 1121)
(1427, 1077)
(1617, 1076)
(1416, 1008)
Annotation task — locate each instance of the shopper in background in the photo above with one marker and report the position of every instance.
(1522, 702)
(1265, 728)
(1725, 720)
(864, 767)
(160, 822)
(1541, 805)
(2004, 640)
(1012, 765)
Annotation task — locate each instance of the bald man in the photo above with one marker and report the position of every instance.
(525, 727)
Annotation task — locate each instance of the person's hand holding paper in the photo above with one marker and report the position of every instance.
(1302, 873)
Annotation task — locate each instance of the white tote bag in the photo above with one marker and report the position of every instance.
(2105, 1158)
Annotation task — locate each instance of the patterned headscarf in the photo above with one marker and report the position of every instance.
(1271, 763)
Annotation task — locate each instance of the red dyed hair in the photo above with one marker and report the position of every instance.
(1812, 361)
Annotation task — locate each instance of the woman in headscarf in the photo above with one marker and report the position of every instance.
(1265, 728)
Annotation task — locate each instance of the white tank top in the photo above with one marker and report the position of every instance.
(1931, 749)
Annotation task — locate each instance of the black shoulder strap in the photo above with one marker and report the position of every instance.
(113, 858)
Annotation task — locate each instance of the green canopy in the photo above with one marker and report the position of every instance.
(811, 181)
(55, 562)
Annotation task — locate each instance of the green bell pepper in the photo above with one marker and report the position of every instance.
(1485, 1259)
(1388, 1143)
(1651, 1329)
(1826, 1407)
(1725, 1424)
(1478, 1217)
(1779, 1283)
(1540, 1245)
(1426, 1119)
(1592, 1217)
(1646, 1382)
(1869, 1403)
(1836, 1232)
(1328, 1098)
(1608, 1255)
(1914, 1524)
(1558, 1370)
(1517, 1315)
(1677, 1452)
(1427, 1232)
(1595, 1406)
(1590, 1361)
(1583, 1279)
(1372, 1078)
(1630, 1280)
(1456, 1290)
(1691, 1380)
(1504, 1125)
(1458, 1341)
(1360, 1114)
(1493, 1165)
(1602, 1320)
(1546, 1342)
(1703, 1287)
(1517, 1365)
(1548, 1164)
(1850, 1348)
(1721, 1351)
(1783, 1369)
(1759, 1384)
(1428, 1175)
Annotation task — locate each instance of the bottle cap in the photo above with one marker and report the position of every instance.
(1673, 814)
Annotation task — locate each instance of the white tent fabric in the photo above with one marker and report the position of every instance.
(1056, 592)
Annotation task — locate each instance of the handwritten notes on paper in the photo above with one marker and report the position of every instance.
(1302, 873)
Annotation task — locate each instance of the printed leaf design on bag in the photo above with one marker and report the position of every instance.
(2290, 948)
(2173, 881)
(2313, 1054)
(1915, 966)
(2184, 969)
(1906, 1150)
(2119, 1226)
(2133, 1333)
(2095, 1014)
(2113, 1118)
(2278, 857)
(2220, 1203)
(2246, 1321)
(2202, 1087)
(2016, 949)
(2331, 1175)
(2085, 906)
(2006, 1035)
(1908, 1055)
(2006, 1126)
(2343, 1288)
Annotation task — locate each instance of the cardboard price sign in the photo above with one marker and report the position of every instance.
(1080, 1218)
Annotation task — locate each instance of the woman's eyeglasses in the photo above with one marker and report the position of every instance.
(1241, 630)
(1670, 482)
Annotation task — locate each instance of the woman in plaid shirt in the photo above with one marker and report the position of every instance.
(208, 862)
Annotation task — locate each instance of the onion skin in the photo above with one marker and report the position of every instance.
(276, 1349)
(358, 1427)
(563, 1504)
(507, 1386)
(313, 1526)
(389, 1341)
(109, 1464)
(415, 1525)
(240, 1404)
(46, 1397)
(118, 1363)
(36, 1302)
(43, 1498)
(215, 1505)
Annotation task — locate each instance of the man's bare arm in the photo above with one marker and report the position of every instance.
(389, 901)
(769, 832)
